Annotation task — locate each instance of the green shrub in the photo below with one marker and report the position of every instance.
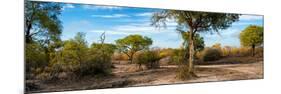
(98, 62)
(35, 59)
(177, 57)
(211, 54)
(149, 58)
(35, 56)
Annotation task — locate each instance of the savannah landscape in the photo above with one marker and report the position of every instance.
(56, 63)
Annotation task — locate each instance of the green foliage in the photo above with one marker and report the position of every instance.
(198, 21)
(42, 35)
(166, 52)
(107, 48)
(90, 61)
(150, 58)
(133, 43)
(211, 54)
(198, 41)
(177, 57)
(42, 21)
(193, 22)
(98, 63)
(252, 36)
(35, 56)
(73, 59)
(74, 51)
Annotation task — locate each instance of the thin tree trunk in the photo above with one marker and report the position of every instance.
(253, 50)
(131, 58)
(191, 55)
(27, 34)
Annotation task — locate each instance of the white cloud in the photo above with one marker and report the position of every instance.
(144, 27)
(109, 32)
(136, 28)
(92, 7)
(250, 17)
(144, 14)
(111, 16)
(241, 23)
(68, 6)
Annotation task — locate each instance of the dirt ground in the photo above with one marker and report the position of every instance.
(126, 75)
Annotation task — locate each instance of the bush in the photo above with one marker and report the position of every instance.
(35, 59)
(177, 57)
(69, 63)
(211, 54)
(149, 58)
(119, 57)
(35, 56)
(97, 63)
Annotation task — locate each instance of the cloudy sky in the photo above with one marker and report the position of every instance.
(118, 22)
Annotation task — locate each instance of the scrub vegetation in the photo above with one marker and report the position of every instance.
(53, 64)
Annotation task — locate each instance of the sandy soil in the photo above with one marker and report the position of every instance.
(125, 75)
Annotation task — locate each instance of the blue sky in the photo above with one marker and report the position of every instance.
(118, 22)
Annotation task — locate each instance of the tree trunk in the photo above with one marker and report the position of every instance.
(140, 68)
(27, 33)
(131, 58)
(253, 50)
(191, 55)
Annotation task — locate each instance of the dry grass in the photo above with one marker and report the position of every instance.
(126, 75)
(232, 60)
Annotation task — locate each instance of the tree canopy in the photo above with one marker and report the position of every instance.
(193, 22)
(42, 21)
(74, 49)
(252, 36)
(198, 41)
(107, 47)
(133, 43)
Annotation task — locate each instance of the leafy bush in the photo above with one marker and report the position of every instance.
(99, 63)
(75, 59)
(211, 54)
(177, 57)
(35, 59)
(149, 58)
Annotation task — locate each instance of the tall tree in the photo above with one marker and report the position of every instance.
(252, 36)
(133, 43)
(194, 22)
(42, 27)
(41, 19)
(198, 41)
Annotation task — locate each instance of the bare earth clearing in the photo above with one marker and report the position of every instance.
(125, 75)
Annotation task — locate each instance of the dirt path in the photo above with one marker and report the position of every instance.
(167, 74)
(125, 75)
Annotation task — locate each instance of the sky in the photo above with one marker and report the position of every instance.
(119, 22)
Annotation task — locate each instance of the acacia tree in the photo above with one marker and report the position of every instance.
(41, 19)
(194, 22)
(252, 36)
(198, 41)
(43, 29)
(133, 43)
